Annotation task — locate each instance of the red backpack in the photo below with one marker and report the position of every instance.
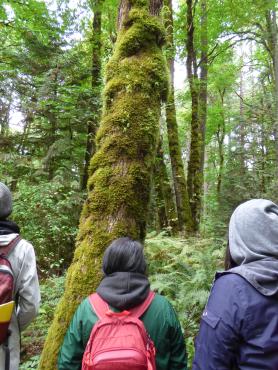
(119, 341)
(6, 283)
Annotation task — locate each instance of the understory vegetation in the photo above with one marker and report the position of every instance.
(180, 269)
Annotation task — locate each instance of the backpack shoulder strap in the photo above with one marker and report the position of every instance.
(99, 305)
(8, 248)
(138, 311)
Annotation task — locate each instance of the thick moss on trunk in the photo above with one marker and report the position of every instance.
(120, 171)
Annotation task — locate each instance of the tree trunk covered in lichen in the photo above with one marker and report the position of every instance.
(180, 186)
(120, 170)
(96, 89)
(167, 215)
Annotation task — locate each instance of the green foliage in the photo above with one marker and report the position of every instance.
(183, 271)
(48, 215)
(33, 337)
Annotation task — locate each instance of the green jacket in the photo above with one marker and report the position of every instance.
(160, 321)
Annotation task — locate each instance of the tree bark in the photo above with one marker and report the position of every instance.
(220, 134)
(164, 195)
(194, 174)
(120, 171)
(203, 93)
(96, 89)
(180, 186)
(274, 55)
(241, 128)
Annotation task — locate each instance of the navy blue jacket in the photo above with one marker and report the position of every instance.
(239, 328)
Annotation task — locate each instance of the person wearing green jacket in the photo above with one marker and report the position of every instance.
(124, 286)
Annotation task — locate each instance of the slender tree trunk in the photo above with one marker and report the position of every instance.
(220, 134)
(49, 161)
(4, 118)
(180, 186)
(194, 174)
(120, 171)
(241, 128)
(274, 32)
(96, 89)
(164, 195)
(262, 147)
(203, 93)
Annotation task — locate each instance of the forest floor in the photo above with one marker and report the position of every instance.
(189, 264)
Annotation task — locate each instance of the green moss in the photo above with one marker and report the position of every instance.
(180, 185)
(119, 173)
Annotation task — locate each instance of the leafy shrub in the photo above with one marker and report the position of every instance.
(183, 270)
(33, 337)
(48, 215)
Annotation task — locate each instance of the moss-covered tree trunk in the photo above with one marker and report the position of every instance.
(242, 168)
(194, 181)
(203, 89)
(220, 135)
(272, 30)
(167, 215)
(198, 92)
(179, 181)
(120, 170)
(96, 89)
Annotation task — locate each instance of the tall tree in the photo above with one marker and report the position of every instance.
(194, 175)
(93, 122)
(203, 89)
(120, 170)
(273, 50)
(180, 186)
(167, 215)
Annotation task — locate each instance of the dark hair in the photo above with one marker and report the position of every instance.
(124, 255)
(229, 263)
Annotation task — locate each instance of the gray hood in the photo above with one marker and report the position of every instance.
(124, 290)
(6, 203)
(253, 243)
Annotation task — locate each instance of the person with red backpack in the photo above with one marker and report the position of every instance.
(124, 325)
(19, 286)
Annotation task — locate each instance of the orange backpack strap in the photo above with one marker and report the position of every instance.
(101, 307)
(138, 311)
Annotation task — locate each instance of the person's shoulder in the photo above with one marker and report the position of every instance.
(85, 311)
(229, 280)
(24, 247)
(229, 290)
(160, 298)
(161, 303)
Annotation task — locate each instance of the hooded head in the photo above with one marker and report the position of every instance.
(125, 283)
(5, 201)
(253, 231)
(124, 255)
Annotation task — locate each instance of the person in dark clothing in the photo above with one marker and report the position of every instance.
(124, 286)
(239, 326)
